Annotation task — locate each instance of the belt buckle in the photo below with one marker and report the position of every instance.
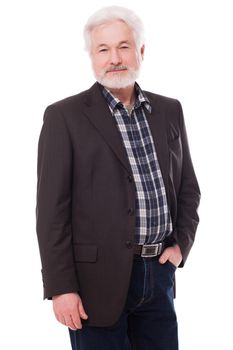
(151, 250)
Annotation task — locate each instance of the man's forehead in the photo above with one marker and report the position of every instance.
(113, 29)
(112, 23)
(112, 35)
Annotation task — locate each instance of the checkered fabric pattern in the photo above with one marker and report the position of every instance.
(153, 220)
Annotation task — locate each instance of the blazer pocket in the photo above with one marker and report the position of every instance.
(173, 139)
(175, 145)
(85, 253)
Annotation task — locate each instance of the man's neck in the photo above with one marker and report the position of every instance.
(125, 95)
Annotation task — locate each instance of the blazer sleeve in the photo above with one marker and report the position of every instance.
(188, 198)
(53, 208)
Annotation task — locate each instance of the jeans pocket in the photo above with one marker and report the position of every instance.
(171, 265)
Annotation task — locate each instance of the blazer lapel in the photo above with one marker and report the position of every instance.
(157, 124)
(98, 113)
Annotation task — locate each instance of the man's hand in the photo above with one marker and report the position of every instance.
(68, 309)
(172, 254)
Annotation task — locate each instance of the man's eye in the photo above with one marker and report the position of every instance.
(103, 50)
(124, 47)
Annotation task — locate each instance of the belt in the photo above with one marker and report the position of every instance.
(149, 250)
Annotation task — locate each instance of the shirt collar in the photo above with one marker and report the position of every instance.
(114, 102)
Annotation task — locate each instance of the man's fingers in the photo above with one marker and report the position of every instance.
(81, 310)
(60, 319)
(76, 320)
(68, 309)
(173, 254)
(164, 257)
(66, 321)
(69, 323)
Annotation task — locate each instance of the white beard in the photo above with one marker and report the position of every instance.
(118, 80)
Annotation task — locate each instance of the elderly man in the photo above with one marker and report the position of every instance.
(117, 199)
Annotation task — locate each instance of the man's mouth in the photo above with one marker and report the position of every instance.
(116, 69)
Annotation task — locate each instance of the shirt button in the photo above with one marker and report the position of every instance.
(131, 211)
(129, 244)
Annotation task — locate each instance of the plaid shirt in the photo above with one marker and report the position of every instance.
(153, 220)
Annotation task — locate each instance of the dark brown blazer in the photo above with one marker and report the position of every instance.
(85, 190)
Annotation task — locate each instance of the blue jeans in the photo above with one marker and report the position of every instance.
(148, 321)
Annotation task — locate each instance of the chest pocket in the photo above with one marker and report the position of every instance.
(174, 142)
(175, 158)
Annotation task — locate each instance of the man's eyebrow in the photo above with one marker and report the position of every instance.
(124, 42)
(120, 43)
(102, 45)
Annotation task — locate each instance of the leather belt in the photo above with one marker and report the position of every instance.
(149, 250)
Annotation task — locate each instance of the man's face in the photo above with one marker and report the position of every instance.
(115, 58)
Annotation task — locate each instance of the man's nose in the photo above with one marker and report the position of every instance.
(115, 58)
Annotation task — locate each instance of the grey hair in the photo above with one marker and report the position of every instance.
(109, 14)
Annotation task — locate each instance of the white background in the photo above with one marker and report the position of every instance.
(189, 57)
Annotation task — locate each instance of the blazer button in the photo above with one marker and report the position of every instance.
(130, 178)
(131, 211)
(129, 244)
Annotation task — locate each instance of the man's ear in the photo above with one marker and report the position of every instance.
(142, 51)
